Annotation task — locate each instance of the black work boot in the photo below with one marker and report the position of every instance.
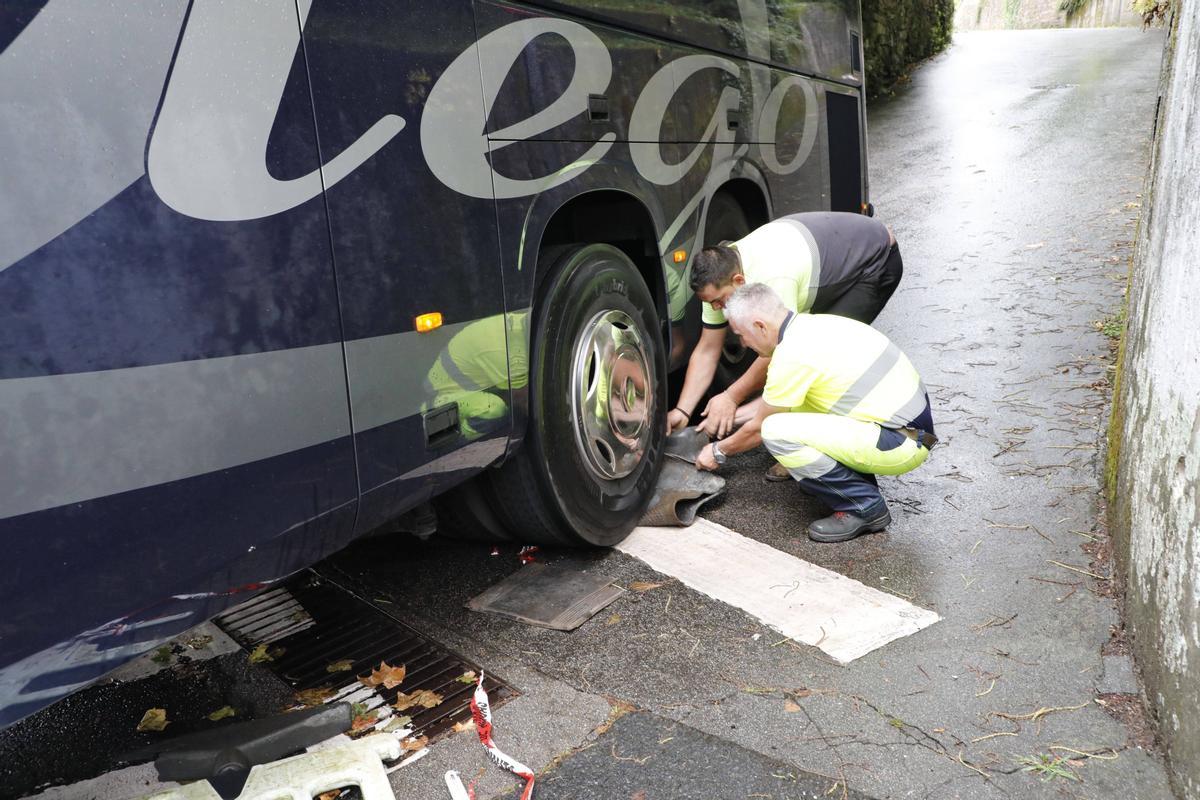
(777, 473)
(843, 526)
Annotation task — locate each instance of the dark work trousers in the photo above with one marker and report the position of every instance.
(865, 299)
(795, 438)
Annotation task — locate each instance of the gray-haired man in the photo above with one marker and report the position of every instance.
(841, 405)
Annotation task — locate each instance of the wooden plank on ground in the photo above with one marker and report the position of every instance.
(804, 602)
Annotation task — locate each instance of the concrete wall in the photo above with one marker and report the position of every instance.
(1156, 423)
(972, 15)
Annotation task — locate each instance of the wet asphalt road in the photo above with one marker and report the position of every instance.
(1009, 169)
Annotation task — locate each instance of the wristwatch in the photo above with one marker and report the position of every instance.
(718, 456)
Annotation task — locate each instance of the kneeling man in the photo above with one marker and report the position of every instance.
(841, 405)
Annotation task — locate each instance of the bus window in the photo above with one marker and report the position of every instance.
(810, 36)
(813, 37)
(845, 163)
(711, 24)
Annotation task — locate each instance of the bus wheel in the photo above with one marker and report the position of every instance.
(726, 222)
(467, 512)
(597, 405)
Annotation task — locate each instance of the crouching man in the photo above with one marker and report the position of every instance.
(841, 405)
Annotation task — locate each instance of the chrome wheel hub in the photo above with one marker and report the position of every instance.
(611, 395)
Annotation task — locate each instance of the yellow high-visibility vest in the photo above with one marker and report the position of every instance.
(827, 364)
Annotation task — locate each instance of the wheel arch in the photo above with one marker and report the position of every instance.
(614, 217)
(749, 190)
(752, 196)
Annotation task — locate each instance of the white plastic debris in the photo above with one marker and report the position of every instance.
(355, 763)
(455, 785)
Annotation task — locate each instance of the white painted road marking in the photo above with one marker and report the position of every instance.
(810, 604)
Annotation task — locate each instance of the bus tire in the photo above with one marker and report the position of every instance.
(467, 512)
(593, 447)
(726, 222)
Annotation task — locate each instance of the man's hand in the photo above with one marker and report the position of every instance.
(676, 420)
(705, 459)
(718, 416)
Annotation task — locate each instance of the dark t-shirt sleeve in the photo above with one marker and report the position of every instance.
(849, 248)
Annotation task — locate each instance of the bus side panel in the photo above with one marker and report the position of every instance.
(797, 162)
(569, 66)
(404, 245)
(783, 153)
(98, 592)
(563, 66)
(173, 413)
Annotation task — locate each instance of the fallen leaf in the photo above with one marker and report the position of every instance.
(314, 697)
(422, 697)
(264, 653)
(419, 743)
(468, 677)
(790, 706)
(397, 723)
(345, 665)
(468, 725)
(199, 642)
(222, 713)
(640, 794)
(613, 620)
(364, 718)
(155, 719)
(386, 675)
(644, 586)
(162, 655)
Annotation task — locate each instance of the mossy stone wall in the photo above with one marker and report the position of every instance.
(899, 33)
(1154, 439)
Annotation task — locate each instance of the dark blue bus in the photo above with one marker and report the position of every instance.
(278, 273)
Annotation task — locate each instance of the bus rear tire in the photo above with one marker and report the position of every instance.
(593, 446)
(467, 512)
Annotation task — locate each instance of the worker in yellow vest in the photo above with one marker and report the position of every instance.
(819, 262)
(841, 405)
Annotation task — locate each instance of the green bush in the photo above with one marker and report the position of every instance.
(899, 33)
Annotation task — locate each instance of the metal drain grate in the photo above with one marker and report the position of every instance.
(311, 624)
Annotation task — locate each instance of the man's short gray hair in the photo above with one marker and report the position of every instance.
(753, 300)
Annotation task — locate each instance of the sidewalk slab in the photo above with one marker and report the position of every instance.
(647, 757)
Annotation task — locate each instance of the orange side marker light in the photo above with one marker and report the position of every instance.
(679, 256)
(429, 322)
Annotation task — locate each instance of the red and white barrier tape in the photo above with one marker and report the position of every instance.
(481, 710)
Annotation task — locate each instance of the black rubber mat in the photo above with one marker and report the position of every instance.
(321, 639)
(681, 491)
(548, 596)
